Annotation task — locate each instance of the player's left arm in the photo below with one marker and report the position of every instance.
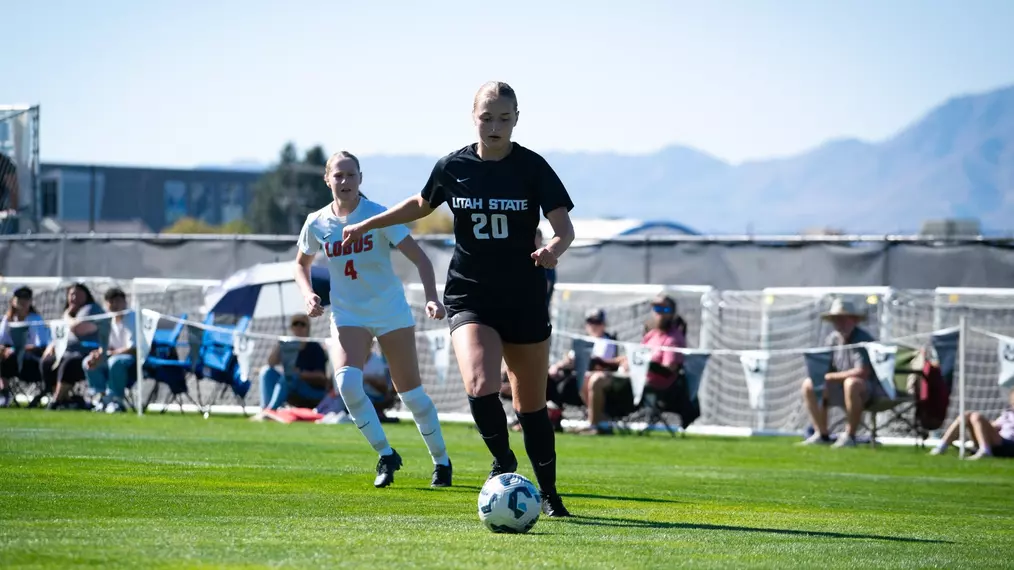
(556, 205)
(563, 229)
(410, 249)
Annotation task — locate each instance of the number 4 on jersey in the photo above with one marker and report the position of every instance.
(350, 270)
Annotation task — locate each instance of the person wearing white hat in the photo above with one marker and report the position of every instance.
(851, 383)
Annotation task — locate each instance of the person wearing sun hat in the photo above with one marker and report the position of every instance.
(851, 383)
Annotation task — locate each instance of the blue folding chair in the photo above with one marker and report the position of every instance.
(216, 357)
(165, 367)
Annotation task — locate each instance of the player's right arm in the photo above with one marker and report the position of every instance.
(406, 212)
(307, 246)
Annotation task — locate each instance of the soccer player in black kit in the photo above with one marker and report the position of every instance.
(495, 293)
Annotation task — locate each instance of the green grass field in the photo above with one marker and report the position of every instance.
(173, 491)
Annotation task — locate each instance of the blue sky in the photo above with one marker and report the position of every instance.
(188, 82)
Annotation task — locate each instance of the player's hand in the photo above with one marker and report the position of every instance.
(313, 306)
(435, 310)
(352, 232)
(544, 257)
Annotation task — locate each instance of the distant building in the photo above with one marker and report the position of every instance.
(950, 228)
(590, 230)
(114, 199)
(822, 231)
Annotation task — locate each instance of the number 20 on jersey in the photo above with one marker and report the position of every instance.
(485, 227)
(361, 245)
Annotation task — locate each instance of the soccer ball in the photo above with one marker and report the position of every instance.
(509, 503)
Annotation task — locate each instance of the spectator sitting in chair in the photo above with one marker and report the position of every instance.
(994, 439)
(310, 382)
(82, 335)
(562, 386)
(21, 310)
(109, 373)
(850, 384)
(608, 394)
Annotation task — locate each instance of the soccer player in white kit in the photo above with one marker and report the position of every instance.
(367, 302)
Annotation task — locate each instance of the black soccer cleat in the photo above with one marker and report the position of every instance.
(552, 506)
(509, 466)
(386, 467)
(442, 475)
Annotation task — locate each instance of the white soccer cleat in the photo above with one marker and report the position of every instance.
(815, 439)
(844, 441)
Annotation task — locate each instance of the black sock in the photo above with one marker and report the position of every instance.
(487, 411)
(540, 443)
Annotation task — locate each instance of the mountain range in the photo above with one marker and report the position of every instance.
(957, 161)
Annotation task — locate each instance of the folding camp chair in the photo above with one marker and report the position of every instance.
(165, 367)
(17, 385)
(216, 358)
(901, 411)
(680, 398)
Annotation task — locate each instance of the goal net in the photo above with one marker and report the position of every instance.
(775, 319)
(174, 297)
(785, 321)
(19, 167)
(627, 309)
(989, 310)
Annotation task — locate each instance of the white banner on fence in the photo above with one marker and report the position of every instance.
(288, 353)
(755, 369)
(60, 333)
(440, 346)
(638, 360)
(1005, 353)
(883, 359)
(149, 324)
(244, 347)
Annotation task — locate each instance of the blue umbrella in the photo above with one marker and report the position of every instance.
(265, 290)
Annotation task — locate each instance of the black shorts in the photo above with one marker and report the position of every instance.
(513, 326)
(1005, 449)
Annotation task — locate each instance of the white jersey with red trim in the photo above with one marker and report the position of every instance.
(363, 281)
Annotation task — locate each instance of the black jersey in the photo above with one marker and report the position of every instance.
(496, 206)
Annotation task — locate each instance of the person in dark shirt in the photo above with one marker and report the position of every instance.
(496, 290)
(310, 383)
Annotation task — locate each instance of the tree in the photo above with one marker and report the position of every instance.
(439, 222)
(193, 226)
(286, 194)
(235, 227)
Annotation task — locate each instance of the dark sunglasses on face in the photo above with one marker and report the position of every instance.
(661, 309)
(298, 324)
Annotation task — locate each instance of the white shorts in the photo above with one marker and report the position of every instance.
(377, 324)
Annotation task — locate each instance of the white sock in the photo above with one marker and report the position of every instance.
(350, 385)
(425, 415)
